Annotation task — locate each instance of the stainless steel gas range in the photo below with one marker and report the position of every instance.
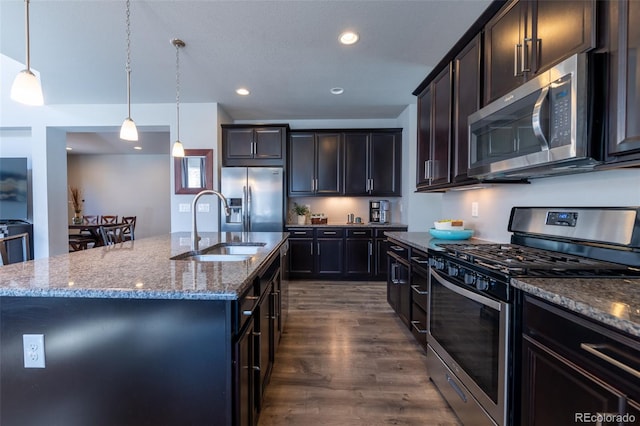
(471, 332)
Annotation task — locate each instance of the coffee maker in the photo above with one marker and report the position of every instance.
(379, 211)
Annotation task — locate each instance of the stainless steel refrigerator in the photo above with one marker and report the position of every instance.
(256, 199)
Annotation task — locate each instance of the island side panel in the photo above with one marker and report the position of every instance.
(116, 362)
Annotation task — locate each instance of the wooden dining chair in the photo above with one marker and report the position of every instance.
(89, 220)
(10, 241)
(131, 220)
(113, 234)
(108, 219)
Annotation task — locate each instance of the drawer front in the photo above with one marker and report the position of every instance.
(246, 307)
(399, 250)
(419, 325)
(300, 232)
(380, 231)
(330, 233)
(419, 292)
(359, 233)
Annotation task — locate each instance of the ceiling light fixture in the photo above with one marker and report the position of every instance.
(337, 91)
(242, 91)
(178, 149)
(26, 87)
(138, 148)
(128, 131)
(349, 37)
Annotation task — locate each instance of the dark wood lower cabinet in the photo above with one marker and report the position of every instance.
(571, 369)
(245, 409)
(350, 253)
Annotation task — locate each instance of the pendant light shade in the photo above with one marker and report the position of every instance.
(178, 148)
(128, 131)
(26, 88)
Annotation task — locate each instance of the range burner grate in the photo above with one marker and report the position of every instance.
(519, 260)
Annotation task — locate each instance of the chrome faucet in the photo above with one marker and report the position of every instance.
(194, 228)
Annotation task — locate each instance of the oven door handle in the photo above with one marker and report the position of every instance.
(466, 293)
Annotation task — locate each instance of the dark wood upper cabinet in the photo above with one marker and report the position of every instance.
(302, 158)
(434, 132)
(624, 80)
(253, 145)
(424, 137)
(373, 163)
(466, 101)
(529, 36)
(315, 163)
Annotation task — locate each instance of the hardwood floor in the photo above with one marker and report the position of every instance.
(346, 359)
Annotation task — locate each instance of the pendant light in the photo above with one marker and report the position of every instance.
(128, 131)
(26, 87)
(178, 149)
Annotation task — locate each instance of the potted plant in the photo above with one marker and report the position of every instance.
(76, 200)
(302, 211)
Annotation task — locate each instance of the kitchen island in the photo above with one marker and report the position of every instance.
(134, 338)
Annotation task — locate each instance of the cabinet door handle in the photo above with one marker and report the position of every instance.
(371, 186)
(397, 248)
(515, 59)
(420, 260)
(592, 348)
(415, 325)
(426, 169)
(524, 68)
(329, 232)
(247, 313)
(359, 233)
(311, 249)
(318, 249)
(416, 288)
(300, 233)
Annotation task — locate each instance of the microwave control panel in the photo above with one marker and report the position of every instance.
(560, 111)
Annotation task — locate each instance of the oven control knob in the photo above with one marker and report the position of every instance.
(469, 278)
(453, 271)
(482, 284)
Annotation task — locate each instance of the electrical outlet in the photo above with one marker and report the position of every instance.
(474, 209)
(203, 208)
(184, 207)
(33, 348)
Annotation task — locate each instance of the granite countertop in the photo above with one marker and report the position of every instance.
(141, 269)
(348, 225)
(612, 301)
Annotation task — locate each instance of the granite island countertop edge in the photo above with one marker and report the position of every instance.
(141, 269)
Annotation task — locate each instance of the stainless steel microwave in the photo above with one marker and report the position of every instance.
(543, 127)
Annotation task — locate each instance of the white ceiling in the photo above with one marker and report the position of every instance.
(285, 51)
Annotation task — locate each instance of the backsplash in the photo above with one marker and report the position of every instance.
(336, 209)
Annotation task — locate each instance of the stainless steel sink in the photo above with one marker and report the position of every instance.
(222, 252)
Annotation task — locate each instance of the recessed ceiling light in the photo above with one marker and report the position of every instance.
(137, 147)
(337, 90)
(242, 91)
(69, 148)
(349, 37)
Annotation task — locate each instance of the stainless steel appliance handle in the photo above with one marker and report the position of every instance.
(244, 208)
(466, 293)
(592, 348)
(456, 388)
(535, 119)
(249, 210)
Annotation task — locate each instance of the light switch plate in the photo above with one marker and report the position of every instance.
(184, 207)
(203, 208)
(474, 209)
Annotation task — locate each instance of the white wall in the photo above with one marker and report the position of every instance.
(124, 185)
(603, 188)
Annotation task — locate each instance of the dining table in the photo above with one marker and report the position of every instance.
(92, 232)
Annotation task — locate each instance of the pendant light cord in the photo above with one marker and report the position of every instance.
(26, 26)
(128, 66)
(178, 45)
